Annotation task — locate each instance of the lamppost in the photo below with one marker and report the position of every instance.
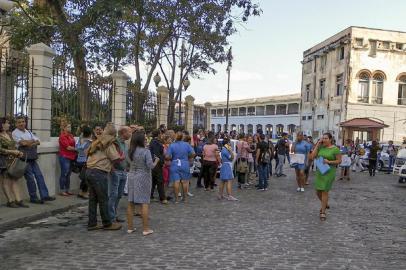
(229, 65)
(186, 84)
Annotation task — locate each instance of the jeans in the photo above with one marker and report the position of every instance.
(262, 175)
(32, 173)
(372, 167)
(66, 170)
(158, 181)
(116, 191)
(279, 167)
(288, 157)
(98, 188)
(270, 168)
(391, 163)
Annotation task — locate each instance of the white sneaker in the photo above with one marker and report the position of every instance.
(179, 194)
(298, 189)
(190, 194)
(231, 198)
(302, 190)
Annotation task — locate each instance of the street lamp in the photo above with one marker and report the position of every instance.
(229, 65)
(186, 84)
(157, 79)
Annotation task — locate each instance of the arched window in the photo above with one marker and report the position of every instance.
(363, 88)
(250, 129)
(233, 127)
(402, 90)
(377, 87)
(268, 129)
(291, 129)
(279, 129)
(218, 127)
(213, 127)
(259, 127)
(242, 128)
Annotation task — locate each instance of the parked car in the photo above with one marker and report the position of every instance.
(400, 166)
(383, 158)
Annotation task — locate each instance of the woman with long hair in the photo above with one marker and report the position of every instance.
(139, 180)
(301, 147)
(179, 153)
(210, 159)
(328, 154)
(8, 153)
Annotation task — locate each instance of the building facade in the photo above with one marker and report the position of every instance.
(274, 115)
(357, 73)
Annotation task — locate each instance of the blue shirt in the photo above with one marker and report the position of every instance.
(180, 150)
(303, 147)
(82, 157)
(225, 155)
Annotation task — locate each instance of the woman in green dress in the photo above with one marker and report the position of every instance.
(323, 182)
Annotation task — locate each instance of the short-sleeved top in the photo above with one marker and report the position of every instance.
(209, 152)
(7, 144)
(242, 149)
(81, 148)
(281, 147)
(180, 150)
(303, 147)
(225, 155)
(25, 135)
(329, 153)
(373, 152)
(102, 159)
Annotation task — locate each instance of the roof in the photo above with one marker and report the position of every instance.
(363, 123)
(261, 100)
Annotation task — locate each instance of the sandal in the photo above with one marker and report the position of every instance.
(130, 231)
(323, 216)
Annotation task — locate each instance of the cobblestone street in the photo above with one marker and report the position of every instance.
(275, 229)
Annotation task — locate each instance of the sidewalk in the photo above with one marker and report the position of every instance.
(15, 217)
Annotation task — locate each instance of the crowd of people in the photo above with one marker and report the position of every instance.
(129, 161)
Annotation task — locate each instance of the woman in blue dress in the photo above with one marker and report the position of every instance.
(179, 153)
(301, 147)
(226, 171)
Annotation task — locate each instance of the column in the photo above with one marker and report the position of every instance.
(189, 114)
(208, 106)
(40, 93)
(119, 103)
(163, 99)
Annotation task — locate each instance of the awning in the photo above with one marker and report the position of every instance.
(363, 123)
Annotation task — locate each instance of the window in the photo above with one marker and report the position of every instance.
(372, 45)
(220, 112)
(281, 109)
(339, 85)
(260, 110)
(270, 109)
(279, 129)
(250, 129)
(377, 88)
(251, 111)
(304, 118)
(309, 117)
(259, 127)
(307, 68)
(341, 53)
(363, 88)
(268, 129)
(218, 128)
(323, 62)
(359, 42)
(386, 45)
(234, 111)
(242, 111)
(242, 128)
(399, 46)
(293, 108)
(322, 89)
(402, 90)
(307, 93)
(320, 117)
(212, 127)
(213, 113)
(291, 128)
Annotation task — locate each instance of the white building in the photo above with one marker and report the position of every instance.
(357, 73)
(274, 115)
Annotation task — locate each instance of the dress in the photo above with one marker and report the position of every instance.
(325, 182)
(7, 159)
(226, 170)
(139, 177)
(179, 152)
(303, 148)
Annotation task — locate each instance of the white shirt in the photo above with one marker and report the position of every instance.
(26, 135)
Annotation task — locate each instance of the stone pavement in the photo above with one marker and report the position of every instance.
(275, 229)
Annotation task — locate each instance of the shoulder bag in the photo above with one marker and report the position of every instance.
(17, 168)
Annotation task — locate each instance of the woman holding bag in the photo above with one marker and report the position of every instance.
(301, 147)
(8, 153)
(323, 182)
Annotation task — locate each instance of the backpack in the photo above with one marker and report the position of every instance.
(265, 156)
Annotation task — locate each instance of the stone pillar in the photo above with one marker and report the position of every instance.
(119, 103)
(189, 100)
(39, 111)
(163, 105)
(208, 106)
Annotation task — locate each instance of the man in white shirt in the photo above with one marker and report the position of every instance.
(27, 143)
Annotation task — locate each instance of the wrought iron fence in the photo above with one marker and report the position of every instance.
(16, 73)
(68, 92)
(142, 108)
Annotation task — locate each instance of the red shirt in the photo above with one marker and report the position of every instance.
(65, 140)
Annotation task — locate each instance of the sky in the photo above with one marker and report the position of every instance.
(268, 49)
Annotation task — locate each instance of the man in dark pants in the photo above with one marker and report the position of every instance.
(157, 150)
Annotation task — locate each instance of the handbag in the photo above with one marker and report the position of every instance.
(242, 166)
(17, 168)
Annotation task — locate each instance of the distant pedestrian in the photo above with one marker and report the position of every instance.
(67, 155)
(301, 147)
(373, 157)
(323, 182)
(282, 147)
(263, 158)
(157, 150)
(346, 153)
(392, 152)
(226, 171)
(210, 163)
(82, 147)
(242, 160)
